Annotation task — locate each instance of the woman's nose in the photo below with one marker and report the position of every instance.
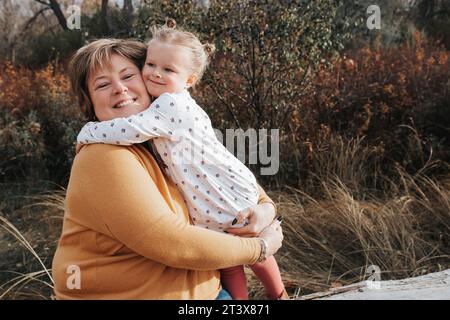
(120, 88)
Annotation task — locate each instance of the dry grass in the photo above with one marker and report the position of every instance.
(28, 244)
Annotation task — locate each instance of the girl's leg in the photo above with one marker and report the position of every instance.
(269, 274)
(234, 281)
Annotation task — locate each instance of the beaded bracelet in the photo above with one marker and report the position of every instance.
(264, 246)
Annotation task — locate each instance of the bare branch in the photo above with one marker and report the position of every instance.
(43, 2)
(33, 19)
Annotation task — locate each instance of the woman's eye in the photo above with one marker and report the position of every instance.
(102, 85)
(150, 64)
(128, 76)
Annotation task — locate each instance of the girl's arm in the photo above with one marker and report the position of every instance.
(155, 121)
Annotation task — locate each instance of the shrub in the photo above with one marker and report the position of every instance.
(39, 122)
(397, 97)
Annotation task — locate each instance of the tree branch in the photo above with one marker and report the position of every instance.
(33, 19)
(42, 2)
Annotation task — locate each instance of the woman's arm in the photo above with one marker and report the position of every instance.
(112, 189)
(265, 199)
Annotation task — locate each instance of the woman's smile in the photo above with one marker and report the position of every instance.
(124, 102)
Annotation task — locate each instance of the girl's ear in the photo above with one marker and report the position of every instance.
(191, 80)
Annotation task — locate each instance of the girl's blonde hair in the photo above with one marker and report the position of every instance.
(200, 53)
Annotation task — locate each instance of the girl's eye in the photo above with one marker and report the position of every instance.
(168, 70)
(150, 64)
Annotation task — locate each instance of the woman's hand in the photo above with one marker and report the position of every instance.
(259, 217)
(273, 235)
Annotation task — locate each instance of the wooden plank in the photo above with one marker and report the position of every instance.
(352, 287)
(430, 286)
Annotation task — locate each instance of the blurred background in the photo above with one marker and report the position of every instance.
(363, 114)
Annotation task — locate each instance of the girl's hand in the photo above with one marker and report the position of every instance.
(259, 217)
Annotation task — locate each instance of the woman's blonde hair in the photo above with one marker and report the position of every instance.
(200, 53)
(95, 55)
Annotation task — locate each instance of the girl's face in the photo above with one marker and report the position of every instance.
(117, 90)
(167, 69)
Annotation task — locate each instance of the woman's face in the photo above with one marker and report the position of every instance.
(117, 91)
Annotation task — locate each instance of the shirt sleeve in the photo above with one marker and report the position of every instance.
(113, 189)
(154, 122)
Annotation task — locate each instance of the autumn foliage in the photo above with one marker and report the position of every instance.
(38, 123)
(396, 97)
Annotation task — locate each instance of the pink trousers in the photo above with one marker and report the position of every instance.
(235, 282)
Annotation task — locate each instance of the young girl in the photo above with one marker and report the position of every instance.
(216, 185)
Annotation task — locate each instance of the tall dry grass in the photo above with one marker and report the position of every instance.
(27, 245)
(334, 233)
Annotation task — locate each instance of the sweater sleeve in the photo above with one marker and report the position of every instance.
(116, 192)
(154, 122)
(264, 198)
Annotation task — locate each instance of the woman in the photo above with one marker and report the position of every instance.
(127, 232)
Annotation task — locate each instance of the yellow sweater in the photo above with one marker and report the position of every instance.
(127, 233)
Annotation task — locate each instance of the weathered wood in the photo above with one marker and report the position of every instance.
(430, 286)
(333, 291)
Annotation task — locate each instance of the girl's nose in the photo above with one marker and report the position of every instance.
(156, 73)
